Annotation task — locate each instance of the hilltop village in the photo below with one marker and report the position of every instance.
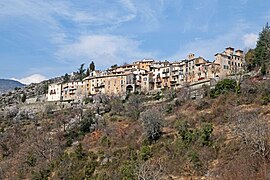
(148, 75)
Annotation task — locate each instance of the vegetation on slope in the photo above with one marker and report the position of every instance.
(194, 138)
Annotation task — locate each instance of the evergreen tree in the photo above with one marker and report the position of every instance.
(92, 66)
(262, 51)
(263, 69)
(87, 73)
(81, 72)
(249, 58)
(23, 97)
(66, 78)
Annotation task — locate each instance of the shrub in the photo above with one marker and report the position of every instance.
(158, 95)
(127, 171)
(86, 123)
(202, 104)
(23, 98)
(224, 86)
(145, 153)
(205, 134)
(88, 100)
(195, 160)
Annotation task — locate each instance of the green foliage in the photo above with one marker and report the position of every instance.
(262, 50)
(79, 152)
(169, 108)
(250, 59)
(187, 135)
(92, 66)
(263, 69)
(191, 135)
(205, 134)
(81, 72)
(224, 86)
(127, 171)
(158, 95)
(79, 164)
(105, 141)
(90, 169)
(114, 66)
(195, 160)
(88, 100)
(87, 121)
(31, 160)
(45, 88)
(66, 78)
(145, 153)
(23, 98)
(41, 175)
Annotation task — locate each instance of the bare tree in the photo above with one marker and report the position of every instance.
(152, 123)
(255, 133)
(149, 170)
(135, 106)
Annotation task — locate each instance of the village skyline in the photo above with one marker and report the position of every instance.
(45, 39)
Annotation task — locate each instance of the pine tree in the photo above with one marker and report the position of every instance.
(87, 73)
(92, 66)
(66, 78)
(262, 50)
(249, 58)
(81, 71)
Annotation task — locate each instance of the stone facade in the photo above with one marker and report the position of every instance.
(149, 75)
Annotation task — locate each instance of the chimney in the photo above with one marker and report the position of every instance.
(239, 52)
(191, 56)
(229, 50)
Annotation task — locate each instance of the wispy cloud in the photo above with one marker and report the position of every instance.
(207, 48)
(105, 50)
(250, 40)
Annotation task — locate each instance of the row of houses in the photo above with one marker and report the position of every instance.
(149, 75)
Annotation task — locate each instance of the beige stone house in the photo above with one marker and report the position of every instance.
(230, 61)
(54, 92)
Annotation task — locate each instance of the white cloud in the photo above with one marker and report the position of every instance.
(207, 48)
(35, 78)
(250, 40)
(105, 50)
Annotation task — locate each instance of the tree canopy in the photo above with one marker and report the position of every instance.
(262, 50)
(92, 66)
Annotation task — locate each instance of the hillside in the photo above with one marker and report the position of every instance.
(224, 135)
(7, 85)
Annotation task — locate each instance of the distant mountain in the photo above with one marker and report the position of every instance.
(7, 85)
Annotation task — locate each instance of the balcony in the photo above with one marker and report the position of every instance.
(165, 72)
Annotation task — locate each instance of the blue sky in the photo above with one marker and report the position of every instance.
(45, 38)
